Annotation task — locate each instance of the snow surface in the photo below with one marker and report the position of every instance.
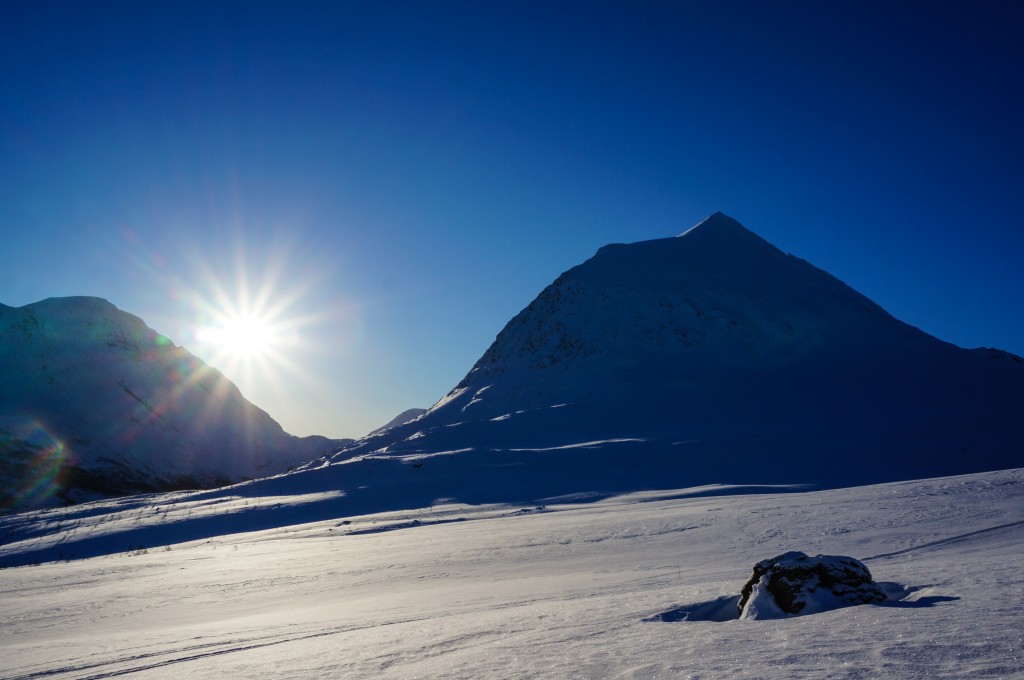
(637, 586)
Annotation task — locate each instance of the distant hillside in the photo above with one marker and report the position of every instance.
(92, 401)
(401, 419)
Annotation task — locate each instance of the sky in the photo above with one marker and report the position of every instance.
(383, 185)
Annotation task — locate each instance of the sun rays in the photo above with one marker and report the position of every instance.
(250, 300)
(249, 325)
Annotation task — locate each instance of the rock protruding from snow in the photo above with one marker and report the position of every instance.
(794, 583)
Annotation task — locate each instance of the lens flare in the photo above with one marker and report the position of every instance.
(35, 462)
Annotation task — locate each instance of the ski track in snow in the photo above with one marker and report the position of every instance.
(963, 538)
(562, 591)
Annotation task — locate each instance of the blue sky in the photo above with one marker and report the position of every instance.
(392, 181)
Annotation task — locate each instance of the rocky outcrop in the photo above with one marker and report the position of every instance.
(794, 583)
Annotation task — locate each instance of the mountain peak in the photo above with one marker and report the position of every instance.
(716, 220)
(85, 302)
(719, 225)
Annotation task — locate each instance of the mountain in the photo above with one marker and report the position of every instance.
(92, 401)
(401, 419)
(712, 356)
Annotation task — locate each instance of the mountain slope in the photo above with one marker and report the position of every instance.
(401, 419)
(713, 356)
(91, 399)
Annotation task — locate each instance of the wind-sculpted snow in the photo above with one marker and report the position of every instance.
(92, 400)
(636, 586)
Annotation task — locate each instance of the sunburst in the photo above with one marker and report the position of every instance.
(242, 336)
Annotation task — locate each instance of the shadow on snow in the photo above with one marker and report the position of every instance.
(725, 608)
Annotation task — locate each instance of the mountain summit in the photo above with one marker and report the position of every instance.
(711, 357)
(723, 226)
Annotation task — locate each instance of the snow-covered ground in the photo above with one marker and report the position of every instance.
(625, 587)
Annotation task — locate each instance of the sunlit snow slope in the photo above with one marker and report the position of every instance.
(93, 400)
(639, 586)
(712, 356)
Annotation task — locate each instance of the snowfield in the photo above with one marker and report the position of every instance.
(633, 586)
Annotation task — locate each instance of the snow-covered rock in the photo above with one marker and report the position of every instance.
(794, 583)
(94, 401)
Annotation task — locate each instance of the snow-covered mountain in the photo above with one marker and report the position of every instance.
(93, 400)
(401, 419)
(712, 356)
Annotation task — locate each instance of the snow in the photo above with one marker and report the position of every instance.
(583, 445)
(761, 604)
(628, 587)
(401, 419)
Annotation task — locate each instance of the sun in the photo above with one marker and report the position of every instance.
(245, 336)
(255, 343)
(240, 336)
